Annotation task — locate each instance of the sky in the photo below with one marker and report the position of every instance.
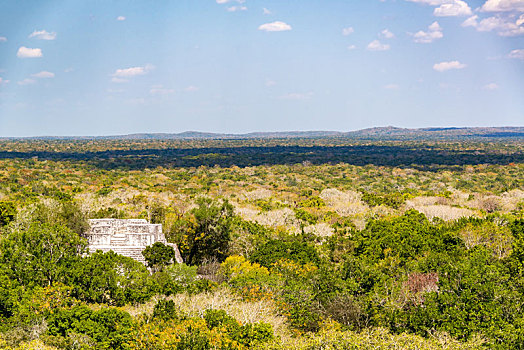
(108, 67)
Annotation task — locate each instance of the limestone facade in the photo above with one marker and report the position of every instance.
(127, 237)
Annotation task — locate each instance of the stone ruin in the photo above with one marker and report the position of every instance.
(127, 237)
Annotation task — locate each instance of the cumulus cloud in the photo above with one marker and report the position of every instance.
(386, 34)
(43, 75)
(276, 26)
(503, 26)
(376, 45)
(26, 52)
(352, 47)
(236, 8)
(447, 8)
(121, 18)
(433, 33)
(3, 39)
(266, 11)
(503, 6)
(124, 73)
(455, 8)
(471, 21)
(26, 82)
(518, 54)
(347, 31)
(43, 35)
(3, 81)
(444, 66)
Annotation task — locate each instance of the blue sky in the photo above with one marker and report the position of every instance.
(117, 67)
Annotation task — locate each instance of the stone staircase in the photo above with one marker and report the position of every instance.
(130, 252)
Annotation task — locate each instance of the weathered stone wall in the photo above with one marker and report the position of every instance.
(127, 237)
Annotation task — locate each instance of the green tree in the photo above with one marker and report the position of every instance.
(7, 213)
(158, 256)
(40, 255)
(109, 328)
(111, 279)
(212, 233)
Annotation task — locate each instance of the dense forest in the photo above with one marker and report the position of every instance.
(288, 243)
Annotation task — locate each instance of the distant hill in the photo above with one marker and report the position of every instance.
(391, 132)
(208, 135)
(378, 133)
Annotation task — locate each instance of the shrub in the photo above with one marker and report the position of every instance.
(109, 328)
(111, 279)
(158, 255)
(275, 250)
(166, 310)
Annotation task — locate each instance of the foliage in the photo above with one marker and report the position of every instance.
(109, 328)
(40, 255)
(111, 279)
(323, 244)
(179, 278)
(7, 212)
(159, 255)
(275, 250)
(212, 232)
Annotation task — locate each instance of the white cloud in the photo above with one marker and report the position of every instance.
(503, 5)
(447, 7)
(26, 52)
(490, 86)
(470, 22)
(266, 11)
(347, 31)
(43, 35)
(221, 2)
(376, 45)
(352, 47)
(520, 20)
(3, 81)
(236, 8)
(455, 8)
(502, 26)
(434, 32)
(444, 66)
(276, 26)
(121, 18)
(270, 83)
(43, 75)
(131, 72)
(26, 82)
(3, 39)
(297, 96)
(387, 34)
(518, 54)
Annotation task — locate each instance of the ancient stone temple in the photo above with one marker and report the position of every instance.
(127, 237)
